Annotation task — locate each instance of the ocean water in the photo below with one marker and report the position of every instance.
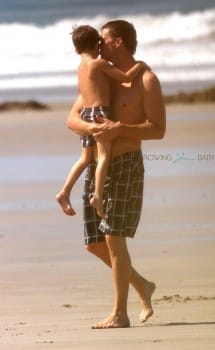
(38, 61)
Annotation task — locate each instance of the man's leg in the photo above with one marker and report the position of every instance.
(121, 269)
(143, 287)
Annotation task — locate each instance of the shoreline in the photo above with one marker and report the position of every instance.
(195, 96)
(205, 95)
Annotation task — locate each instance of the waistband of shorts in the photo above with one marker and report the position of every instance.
(95, 109)
(127, 156)
(122, 157)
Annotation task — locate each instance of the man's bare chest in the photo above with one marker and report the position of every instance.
(127, 93)
(127, 100)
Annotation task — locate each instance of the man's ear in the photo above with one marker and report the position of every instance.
(119, 42)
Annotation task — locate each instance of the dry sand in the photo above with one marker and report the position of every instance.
(52, 290)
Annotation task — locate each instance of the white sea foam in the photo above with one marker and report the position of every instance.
(179, 47)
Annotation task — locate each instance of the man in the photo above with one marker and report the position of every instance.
(138, 114)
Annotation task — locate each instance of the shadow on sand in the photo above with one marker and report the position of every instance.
(168, 324)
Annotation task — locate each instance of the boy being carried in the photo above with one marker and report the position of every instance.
(94, 87)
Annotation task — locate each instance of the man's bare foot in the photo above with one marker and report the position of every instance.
(65, 204)
(113, 321)
(148, 290)
(97, 204)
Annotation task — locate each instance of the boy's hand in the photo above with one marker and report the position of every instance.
(144, 65)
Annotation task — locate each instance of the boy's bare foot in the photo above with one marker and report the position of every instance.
(65, 204)
(98, 205)
(113, 321)
(148, 290)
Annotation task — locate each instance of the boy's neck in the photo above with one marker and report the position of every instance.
(89, 55)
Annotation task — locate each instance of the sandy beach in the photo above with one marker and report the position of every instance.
(52, 291)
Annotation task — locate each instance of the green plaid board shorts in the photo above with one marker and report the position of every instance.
(123, 194)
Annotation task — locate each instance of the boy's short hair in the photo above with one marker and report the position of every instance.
(84, 38)
(125, 30)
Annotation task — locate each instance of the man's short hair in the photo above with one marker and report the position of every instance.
(84, 38)
(125, 30)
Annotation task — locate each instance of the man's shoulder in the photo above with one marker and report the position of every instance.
(149, 75)
(150, 79)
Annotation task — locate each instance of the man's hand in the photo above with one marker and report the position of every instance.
(104, 129)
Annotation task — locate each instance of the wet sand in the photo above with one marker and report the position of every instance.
(52, 291)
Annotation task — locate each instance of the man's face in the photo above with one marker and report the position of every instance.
(108, 47)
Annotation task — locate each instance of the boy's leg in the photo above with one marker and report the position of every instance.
(63, 197)
(104, 150)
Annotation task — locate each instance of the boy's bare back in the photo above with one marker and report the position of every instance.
(94, 84)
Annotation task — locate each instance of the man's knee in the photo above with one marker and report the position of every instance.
(116, 244)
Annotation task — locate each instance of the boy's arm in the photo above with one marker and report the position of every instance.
(117, 74)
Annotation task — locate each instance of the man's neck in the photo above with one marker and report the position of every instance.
(124, 62)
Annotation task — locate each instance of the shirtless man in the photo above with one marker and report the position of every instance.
(139, 114)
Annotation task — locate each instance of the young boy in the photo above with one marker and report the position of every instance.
(94, 86)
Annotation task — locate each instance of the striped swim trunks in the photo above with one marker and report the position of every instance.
(88, 114)
(123, 194)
